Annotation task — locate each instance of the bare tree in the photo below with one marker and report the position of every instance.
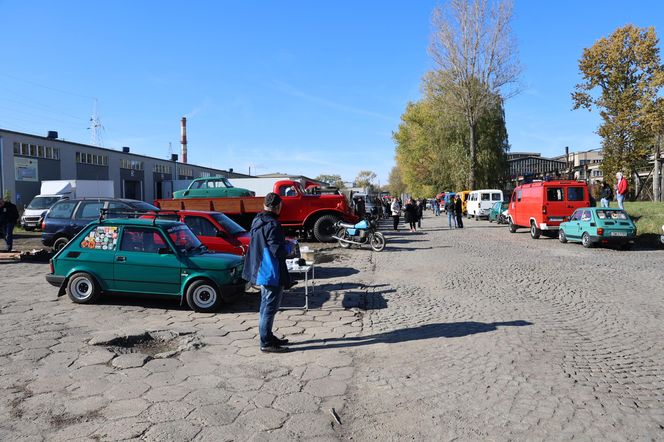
(476, 58)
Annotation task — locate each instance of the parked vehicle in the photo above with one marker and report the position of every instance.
(543, 205)
(464, 194)
(599, 225)
(212, 187)
(261, 186)
(364, 232)
(480, 202)
(302, 212)
(155, 257)
(499, 212)
(68, 217)
(215, 230)
(53, 191)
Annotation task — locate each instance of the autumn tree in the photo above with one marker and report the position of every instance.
(332, 180)
(365, 178)
(622, 75)
(395, 184)
(476, 58)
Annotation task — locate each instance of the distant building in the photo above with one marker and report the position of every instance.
(26, 160)
(532, 165)
(585, 165)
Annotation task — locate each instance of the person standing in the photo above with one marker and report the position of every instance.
(395, 208)
(621, 189)
(410, 214)
(265, 265)
(458, 211)
(606, 195)
(8, 219)
(436, 207)
(421, 207)
(449, 209)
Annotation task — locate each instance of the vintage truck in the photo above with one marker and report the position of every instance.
(211, 187)
(303, 212)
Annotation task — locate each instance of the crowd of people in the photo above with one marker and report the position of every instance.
(412, 212)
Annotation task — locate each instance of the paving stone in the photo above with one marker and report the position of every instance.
(128, 390)
(122, 429)
(296, 403)
(95, 357)
(262, 419)
(215, 414)
(315, 372)
(162, 365)
(207, 397)
(166, 411)
(281, 386)
(125, 408)
(131, 360)
(308, 425)
(325, 387)
(85, 406)
(175, 431)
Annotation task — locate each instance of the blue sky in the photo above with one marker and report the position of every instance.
(299, 86)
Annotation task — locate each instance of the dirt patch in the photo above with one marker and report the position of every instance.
(162, 343)
(66, 420)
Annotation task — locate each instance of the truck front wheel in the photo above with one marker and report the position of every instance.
(324, 228)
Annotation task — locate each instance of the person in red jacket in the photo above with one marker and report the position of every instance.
(621, 189)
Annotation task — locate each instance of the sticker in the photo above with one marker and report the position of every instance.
(101, 238)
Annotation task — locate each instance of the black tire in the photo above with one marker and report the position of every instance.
(535, 232)
(585, 240)
(477, 217)
(83, 288)
(203, 296)
(324, 228)
(59, 243)
(342, 233)
(377, 242)
(512, 226)
(561, 236)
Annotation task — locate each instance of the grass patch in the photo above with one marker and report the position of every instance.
(648, 216)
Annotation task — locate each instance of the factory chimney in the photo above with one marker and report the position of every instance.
(183, 132)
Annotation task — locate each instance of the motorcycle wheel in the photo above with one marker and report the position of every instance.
(377, 241)
(341, 233)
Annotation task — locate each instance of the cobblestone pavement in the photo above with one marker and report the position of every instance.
(472, 334)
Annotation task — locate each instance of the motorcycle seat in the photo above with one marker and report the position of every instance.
(347, 225)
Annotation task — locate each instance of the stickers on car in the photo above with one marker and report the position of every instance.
(101, 238)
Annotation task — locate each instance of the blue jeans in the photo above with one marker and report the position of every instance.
(604, 202)
(9, 235)
(270, 303)
(451, 217)
(621, 200)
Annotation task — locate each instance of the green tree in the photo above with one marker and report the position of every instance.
(332, 180)
(622, 75)
(365, 178)
(395, 184)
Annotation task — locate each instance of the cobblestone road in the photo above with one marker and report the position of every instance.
(472, 334)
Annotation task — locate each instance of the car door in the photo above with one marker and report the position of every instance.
(572, 227)
(586, 223)
(208, 234)
(146, 263)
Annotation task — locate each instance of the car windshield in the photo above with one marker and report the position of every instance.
(184, 239)
(228, 224)
(142, 206)
(611, 214)
(43, 202)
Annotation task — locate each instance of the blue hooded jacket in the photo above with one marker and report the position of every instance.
(265, 263)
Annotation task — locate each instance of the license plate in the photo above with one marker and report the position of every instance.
(618, 233)
(555, 219)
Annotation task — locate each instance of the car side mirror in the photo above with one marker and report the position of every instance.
(165, 251)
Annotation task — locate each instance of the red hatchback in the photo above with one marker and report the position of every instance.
(215, 230)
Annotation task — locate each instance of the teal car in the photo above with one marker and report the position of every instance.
(213, 187)
(496, 212)
(599, 225)
(143, 256)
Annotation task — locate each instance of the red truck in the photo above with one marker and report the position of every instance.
(303, 212)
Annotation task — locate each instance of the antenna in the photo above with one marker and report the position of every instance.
(170, 149)
(96, 126)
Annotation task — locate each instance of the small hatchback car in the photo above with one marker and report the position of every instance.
(154, 257)
(599, 225)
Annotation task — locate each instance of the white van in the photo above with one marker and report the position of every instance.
(480, 202)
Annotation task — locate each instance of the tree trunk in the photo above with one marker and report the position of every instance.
(473, 155)
(637, 183)
(656, 180)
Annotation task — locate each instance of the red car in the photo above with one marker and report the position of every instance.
(215, 230)
(543, 205)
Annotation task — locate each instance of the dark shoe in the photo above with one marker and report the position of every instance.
(277, 341)
(274, 348)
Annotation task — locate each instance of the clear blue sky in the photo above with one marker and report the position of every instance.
(299, 86)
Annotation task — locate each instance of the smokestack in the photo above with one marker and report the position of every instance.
(183, 140)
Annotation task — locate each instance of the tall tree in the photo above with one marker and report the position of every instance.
(332, 180)
(621, 77)
(476, 57)
(395, 184)
(365, 178)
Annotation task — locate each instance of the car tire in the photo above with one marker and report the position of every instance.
(324, 228)
(585, 240)
(535, 232)
(561, 236)
(477, 218)
(59, 243)
(83, 288)
(203, 296)
(342, 233)
(512, 226)
(377, 242)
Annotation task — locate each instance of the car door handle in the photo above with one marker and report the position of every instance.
(121, 258)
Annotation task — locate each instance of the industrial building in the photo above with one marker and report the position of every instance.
(27, 159)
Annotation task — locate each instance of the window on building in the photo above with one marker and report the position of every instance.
(162, 168)
(36, 151)
(87, 158)
(131, 164)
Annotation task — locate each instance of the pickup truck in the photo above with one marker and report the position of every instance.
(302, 212)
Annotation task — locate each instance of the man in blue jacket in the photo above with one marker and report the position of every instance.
(265, 265)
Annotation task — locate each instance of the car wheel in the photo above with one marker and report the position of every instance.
(377, 242)
(59, 244)
(203, 296)
(324, 228)
(512, 226)
(342, 233)
(477, 218)
(82, 288)
(561, 236)
(585, 240)
(535, 232)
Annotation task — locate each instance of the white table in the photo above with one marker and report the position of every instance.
(306, 270)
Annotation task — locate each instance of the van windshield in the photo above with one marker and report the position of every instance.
(43, 202)
(554, 194)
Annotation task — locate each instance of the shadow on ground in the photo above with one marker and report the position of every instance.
(429, 331)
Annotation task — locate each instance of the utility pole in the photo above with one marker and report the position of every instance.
(96, 126)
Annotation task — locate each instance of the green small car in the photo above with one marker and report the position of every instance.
(145, 256)
(213, 187)
(599, 225)
(496, 212)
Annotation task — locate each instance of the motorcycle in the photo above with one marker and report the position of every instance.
(364, 232)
